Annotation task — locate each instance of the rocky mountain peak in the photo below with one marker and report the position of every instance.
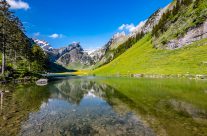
(147, 25)
(116, 40)
(73, 56)
(75, 45)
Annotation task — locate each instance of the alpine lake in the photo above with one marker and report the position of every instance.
(88, 106)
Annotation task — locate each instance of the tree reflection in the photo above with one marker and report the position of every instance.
(2, 96)
(17, 103)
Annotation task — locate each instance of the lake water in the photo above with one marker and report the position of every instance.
(105, 106)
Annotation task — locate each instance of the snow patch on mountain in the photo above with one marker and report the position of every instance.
(43, 44)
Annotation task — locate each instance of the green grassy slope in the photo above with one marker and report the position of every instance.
(142, 58)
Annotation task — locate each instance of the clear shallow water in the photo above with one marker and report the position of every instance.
(105, 106)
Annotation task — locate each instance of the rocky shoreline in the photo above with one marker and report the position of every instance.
(188, 76)
(19, 80)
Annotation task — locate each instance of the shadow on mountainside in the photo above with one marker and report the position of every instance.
(55, 68)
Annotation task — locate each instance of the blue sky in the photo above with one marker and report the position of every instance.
(91, 22)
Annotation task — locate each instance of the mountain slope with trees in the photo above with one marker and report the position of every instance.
(183, 27)
(143, 58)
(19, 56)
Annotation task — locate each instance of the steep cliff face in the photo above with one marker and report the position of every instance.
(73, 46)
(98, 55)
(192, 35)
(185, 24)
(74, 55)
(155, 18)
(116, 40)
(152, 21)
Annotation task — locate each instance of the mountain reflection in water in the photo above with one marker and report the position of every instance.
(105, 106)
(79, 107)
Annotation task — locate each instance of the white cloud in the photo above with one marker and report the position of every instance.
(36, 34)
(131, 27)
(54, 36)
(122, 27)
(121, 34)
(139, 27)
(128, 27)
(18, 4)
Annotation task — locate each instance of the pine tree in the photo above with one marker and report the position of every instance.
(16, 46)
(196, 3)
(5, 16)
(176, 8)
(186, 2)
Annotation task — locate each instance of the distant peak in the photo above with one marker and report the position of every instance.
(43, 44)
(75, 43)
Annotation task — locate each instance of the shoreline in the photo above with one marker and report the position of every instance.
(158, 76)
(57, 76)
(18, 80)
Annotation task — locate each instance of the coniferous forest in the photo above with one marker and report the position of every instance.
(20, 57)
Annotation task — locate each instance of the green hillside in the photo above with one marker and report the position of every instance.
(151, 54)
(177, 21)
(142, 58)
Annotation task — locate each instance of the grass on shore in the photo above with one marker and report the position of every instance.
(75, 72)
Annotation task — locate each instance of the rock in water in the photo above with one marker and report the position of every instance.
(42, 82)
